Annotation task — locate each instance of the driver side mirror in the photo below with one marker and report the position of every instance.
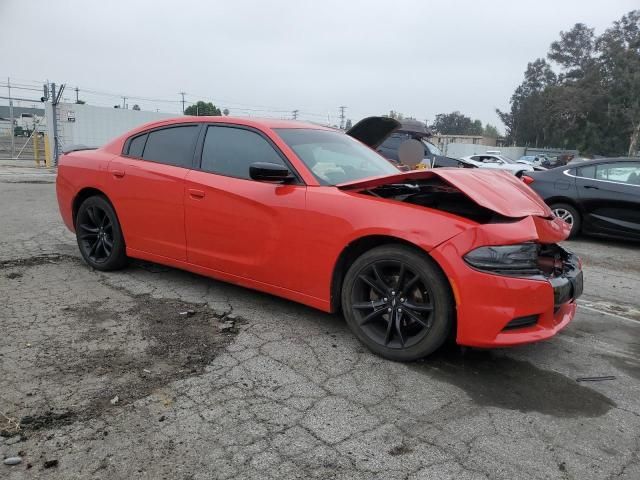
(270, 172)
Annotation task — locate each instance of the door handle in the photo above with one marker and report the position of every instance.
(196, 193)
(591, 187)
(117, 173)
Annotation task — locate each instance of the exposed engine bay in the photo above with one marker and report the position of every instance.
(439, 195)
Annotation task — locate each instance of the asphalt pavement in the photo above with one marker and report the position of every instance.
(153, 373)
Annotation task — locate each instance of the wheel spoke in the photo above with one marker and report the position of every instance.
(106, 248)
(87, 236)
(389, 333)
(372, 283)
(381, 282)
(372, 316)
(415, 317)
(410, 284)
(373, 304)
(92, 216)
(398, 317)
(88, 228)
(94, 247)
(400, 278)
(418, 307)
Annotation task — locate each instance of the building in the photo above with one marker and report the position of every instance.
(443, 140)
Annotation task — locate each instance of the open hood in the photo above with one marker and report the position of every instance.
(498, 191)
(372, 131)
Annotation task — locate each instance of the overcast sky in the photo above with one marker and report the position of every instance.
(416, 57)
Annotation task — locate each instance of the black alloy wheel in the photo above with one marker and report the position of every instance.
(397, 302)
(99, 236)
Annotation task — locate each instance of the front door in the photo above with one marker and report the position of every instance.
(237, 225)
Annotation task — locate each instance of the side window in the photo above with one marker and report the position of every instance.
(230, 151)
(624, 172)
(587, 172)
(136, 146)
(172, 146)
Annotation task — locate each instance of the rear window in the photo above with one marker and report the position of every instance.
(172, 146)
(136, 146)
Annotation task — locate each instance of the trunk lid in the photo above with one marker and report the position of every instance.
(372, 131)
(498, 191)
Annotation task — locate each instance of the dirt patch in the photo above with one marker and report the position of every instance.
(83, 348)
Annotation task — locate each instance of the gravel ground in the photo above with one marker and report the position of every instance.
(156, 373)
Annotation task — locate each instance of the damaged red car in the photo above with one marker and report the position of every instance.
(317, 216)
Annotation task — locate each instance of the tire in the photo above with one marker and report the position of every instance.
(398, 303)
(570, 215)
(99, 235)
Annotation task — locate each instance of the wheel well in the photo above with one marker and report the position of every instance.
(356, 248)
(82, 196)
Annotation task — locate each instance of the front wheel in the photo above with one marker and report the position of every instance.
(397, 302)
(99, 235)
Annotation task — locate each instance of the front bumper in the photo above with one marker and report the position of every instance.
(499, 311)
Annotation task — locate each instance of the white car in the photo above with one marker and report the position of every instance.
(498, 162)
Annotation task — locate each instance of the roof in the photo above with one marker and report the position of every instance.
(603, 159)
(250, 121)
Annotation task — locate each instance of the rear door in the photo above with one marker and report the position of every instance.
(610, 196)
(147, 188)
(241, 226)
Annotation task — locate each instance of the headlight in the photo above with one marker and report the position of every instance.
(508, 259)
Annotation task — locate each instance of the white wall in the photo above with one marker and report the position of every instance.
(94, 126)
(459, 150)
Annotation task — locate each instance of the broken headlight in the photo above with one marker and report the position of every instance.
(521, 259)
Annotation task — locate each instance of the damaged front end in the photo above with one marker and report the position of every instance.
(512, 282)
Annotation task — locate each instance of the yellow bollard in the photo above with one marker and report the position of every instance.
(47, 151)
(36, 153)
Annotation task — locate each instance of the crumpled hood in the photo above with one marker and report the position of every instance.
(498, 191)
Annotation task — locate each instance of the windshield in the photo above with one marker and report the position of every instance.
(334, 157)
(432, 148)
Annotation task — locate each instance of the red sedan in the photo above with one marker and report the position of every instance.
(316, 216)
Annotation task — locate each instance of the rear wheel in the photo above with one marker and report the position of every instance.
(397, 302)
(569, 214)
(99, 235)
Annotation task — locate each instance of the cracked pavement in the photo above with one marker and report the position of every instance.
(284, 391)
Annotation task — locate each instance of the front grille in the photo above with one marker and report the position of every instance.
(521, 322)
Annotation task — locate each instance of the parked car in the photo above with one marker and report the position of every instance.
(535, 160)
(599, 197)
(416, 130)
(499, 162)
(316, 216)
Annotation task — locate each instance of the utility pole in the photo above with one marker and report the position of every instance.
(183, 94)
(124, 102)
(294, 114)
(77, 92)
(342, 108)
(13, 133)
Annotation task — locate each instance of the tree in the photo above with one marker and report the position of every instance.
(202, 108)
(349, 124)
(136, 107)
(490, 131)
(592, 103)
(225, 112)
(455, 123)
(80, 102)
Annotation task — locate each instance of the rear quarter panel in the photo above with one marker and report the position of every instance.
(77, 171)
